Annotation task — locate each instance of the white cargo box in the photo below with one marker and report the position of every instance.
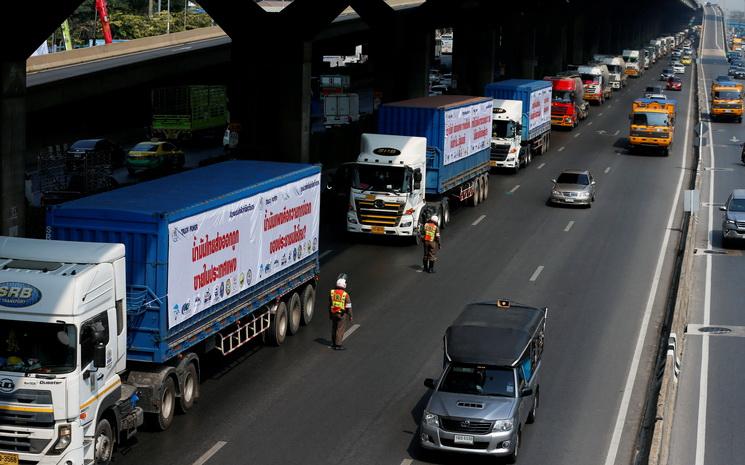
(341, 109)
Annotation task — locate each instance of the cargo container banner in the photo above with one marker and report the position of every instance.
(540, 108)
(468, 130)
(215, 255)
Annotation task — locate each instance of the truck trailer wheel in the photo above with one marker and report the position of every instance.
(278, 329)
(103, 448)
(190, 389)
(476, 198)
(309, 303)
(444, 213)
(294, 314)
(162, 420)
(486, 187)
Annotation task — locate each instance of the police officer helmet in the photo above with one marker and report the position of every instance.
(435, 219)
(341, 283)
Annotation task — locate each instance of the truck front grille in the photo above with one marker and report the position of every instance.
(38, 411)
(557, 110)
(21, 442)
(464, 425)
(728, 105)
(379, 212)
(499, 152)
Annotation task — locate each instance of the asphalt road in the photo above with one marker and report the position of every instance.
(596, 269)
(708, 423)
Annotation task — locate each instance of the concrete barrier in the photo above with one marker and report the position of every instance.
(102, 52)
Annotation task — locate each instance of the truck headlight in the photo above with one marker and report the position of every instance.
(352, 218)
(63, 440)
(732, 222)
(431, 419)
(502, 425)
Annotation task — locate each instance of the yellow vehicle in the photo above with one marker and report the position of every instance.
(652, 124)
(685, 60)
(727, 100)
(153, 155)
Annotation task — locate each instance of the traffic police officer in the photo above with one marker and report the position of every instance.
(431, 242)
(340, 307)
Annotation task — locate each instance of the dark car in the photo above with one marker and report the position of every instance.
(738, 73)
(95, 151)
(667, 73)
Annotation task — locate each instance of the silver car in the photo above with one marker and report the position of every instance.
(573, 187)
(733, 223)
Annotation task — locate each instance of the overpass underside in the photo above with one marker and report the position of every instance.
(494, 39)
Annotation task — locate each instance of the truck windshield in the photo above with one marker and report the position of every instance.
(727, 95)
(382, 178)
(29, 347)
(563, 96)
(650, 119)
(502, 129)
(590, 79)
(614, 68)
(479, 380)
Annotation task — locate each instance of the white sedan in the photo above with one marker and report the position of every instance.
(678, 67)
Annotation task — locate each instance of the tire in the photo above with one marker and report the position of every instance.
(486, 187)
(476, 199)
(309, 304)
(534, 411)
(547, 145)
(103, 449)
(278, 328)
(444, 213)
(294, 314)
(481, 189)
(189, 390)
(530, 157)
(512, 458)
(162, 420)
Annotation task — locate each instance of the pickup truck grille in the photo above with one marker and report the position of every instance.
(499, 152)
(464, 425)
(379, 212)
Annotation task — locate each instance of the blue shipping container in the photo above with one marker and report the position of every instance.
(138, 217)
(526, 91)
(425, 117)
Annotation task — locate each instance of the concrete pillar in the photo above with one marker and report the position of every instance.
(576, 43)
(12, 147)
(474, 58)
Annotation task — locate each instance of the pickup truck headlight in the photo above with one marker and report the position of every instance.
(63, 440)
(502, 425)
(730, 222)
(431, 419)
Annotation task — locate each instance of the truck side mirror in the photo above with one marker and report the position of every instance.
(417, 178)
(99, 355)
(430, 383)
(518, 127)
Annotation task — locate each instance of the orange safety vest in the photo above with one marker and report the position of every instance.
(430, 231)
(338, 301)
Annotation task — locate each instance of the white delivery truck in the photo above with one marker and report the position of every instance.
(616, 69)
(634, 66)
(339, 109)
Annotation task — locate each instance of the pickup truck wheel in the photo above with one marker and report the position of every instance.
(512, 458)
(190, 389)
(162, 420)
(278, 329)
(309, 303)
(294, 314)
(103, 449)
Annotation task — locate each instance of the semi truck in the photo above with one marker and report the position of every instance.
(652, 124)
(186, 112)
(429, 152)
(727, 100)
(110, 319)
(521, 126)
(634, 67)
(596, 80)
(616, 69)
(568, 104)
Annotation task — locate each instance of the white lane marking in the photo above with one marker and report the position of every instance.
(561, 149)
(590, 123)
(349, 332)
(323, 254)
(536, 273)
(406, 462)
(600, 114)
(623, 409)
(541, 166)
(607, 170)
(478, 220)
(617, 132)
(569, 226)
(512, 191)
(578, 134)
(207, 455)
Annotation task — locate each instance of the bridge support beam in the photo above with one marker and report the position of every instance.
(12, 147)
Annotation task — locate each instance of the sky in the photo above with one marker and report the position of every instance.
(731, 4)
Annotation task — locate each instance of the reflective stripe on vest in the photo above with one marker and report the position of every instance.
(338, 300)
(429, 232)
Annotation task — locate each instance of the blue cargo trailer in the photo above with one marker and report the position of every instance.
(215, 257)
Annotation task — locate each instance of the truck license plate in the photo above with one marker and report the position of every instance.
(727, 111)
(8, 459)
(462, 439)
(378, 230)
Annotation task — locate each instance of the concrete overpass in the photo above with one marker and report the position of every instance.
(494, 39)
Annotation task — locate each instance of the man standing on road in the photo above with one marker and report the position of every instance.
(431, 242)
(340, 307)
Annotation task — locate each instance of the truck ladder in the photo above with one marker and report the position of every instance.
(227, 343)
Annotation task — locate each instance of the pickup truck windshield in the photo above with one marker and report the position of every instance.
(382, 178)
(502, 129)
(727, 95)
(563, 96)
(28, 347)
(650, 119)
(479, 380)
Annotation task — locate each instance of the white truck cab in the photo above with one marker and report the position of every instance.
(507, 135)
(63, 343)
(387, 192)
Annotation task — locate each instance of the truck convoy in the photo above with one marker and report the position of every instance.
(521, 122)
(596, 80)
(727, 100)
(634, 67)
(568, 104)
(112, 318)
(430, 151)
(652, 124)
(616, 68)
(491, 382)
(188, 112)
